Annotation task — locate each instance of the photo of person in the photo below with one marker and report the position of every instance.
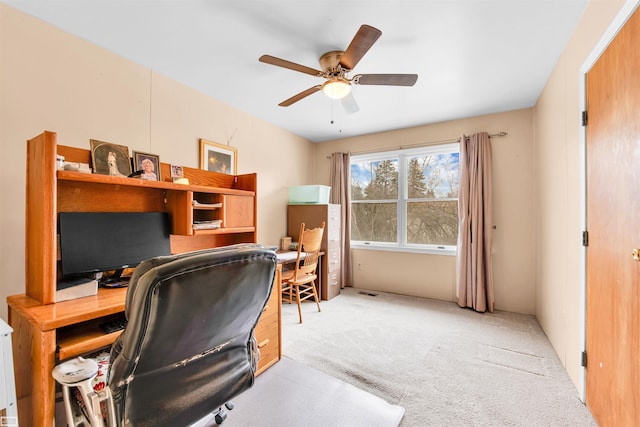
(110, 159)
(148, 168)
(149, 164)
(176, 171)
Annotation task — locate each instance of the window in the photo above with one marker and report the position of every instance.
(406, 199)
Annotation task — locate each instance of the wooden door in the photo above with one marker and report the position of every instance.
(613, 223)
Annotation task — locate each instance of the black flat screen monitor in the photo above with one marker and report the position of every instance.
(104, 241)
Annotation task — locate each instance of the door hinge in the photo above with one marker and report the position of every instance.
(585, 238)
(584, 118)
(583, 359)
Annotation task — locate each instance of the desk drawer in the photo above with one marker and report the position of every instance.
(333, 278)
(333, 236)
(333, 214)
(333, 261)
(268, 338)
(272, 304)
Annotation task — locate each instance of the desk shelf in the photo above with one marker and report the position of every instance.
(226, 230)
(136, 182)
(83, 338)
(206, 208)
(47, 317)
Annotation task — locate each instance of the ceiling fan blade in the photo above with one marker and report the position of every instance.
(386, 79)
(349, 104)
(301, 95)
(268, 59)
(361, 43)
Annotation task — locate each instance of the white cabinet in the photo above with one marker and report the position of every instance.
(8, 406)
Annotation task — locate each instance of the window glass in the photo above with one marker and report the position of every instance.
(374, 222)
(374, 185)
(432, 198)
(406, 198)
(374, 180)
(432, 223)
(433, 176)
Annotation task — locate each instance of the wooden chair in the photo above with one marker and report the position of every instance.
(301, 281)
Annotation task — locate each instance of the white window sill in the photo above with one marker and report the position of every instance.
(410, 249)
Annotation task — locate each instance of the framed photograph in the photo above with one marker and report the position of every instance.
(110, 159)
(218, 158)
(176, 171)
(149, 164)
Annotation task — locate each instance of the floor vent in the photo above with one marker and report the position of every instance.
(369, 294)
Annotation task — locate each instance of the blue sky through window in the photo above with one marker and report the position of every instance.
(443, 164)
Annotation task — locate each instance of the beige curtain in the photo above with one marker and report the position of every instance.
(340, 195)
(474, 272)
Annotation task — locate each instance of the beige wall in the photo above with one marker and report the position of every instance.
(433, 276)
(557, 193)
(50, 80)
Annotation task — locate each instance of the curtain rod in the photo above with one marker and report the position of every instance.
(421, 144)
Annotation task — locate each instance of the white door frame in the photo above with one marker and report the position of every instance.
(616, 25)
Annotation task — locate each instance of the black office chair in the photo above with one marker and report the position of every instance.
(188, 346)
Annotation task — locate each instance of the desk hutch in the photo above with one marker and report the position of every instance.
(46, 332)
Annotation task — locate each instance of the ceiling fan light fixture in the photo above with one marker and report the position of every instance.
(336, 88)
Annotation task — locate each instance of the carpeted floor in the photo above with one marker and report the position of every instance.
(370, 356)
(443, 364)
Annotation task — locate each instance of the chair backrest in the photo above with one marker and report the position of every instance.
(309, 244)
(188, 346)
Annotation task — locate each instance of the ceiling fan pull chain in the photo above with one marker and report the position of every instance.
(331, 102)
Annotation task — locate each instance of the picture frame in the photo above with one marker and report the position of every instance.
(218, 158)
(110, 159)
(177, 171)
(149, 164)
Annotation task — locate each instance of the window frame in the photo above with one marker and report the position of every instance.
(402, 156)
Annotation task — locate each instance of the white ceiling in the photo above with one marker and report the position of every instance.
(473, 57)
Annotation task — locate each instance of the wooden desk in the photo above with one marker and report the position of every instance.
(45, 334)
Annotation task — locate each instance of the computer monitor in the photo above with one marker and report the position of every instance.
(103, 241)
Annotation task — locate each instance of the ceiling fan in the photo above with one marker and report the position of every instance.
(335, 67)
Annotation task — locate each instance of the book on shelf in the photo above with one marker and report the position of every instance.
(206, 205)
(207, 225)
(76, 288)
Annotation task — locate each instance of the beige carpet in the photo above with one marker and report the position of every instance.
(444, 365)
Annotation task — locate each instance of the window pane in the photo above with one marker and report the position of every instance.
(433, 176)
(432, 223)
(374, 222)
(376, 180)
(407, 197)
